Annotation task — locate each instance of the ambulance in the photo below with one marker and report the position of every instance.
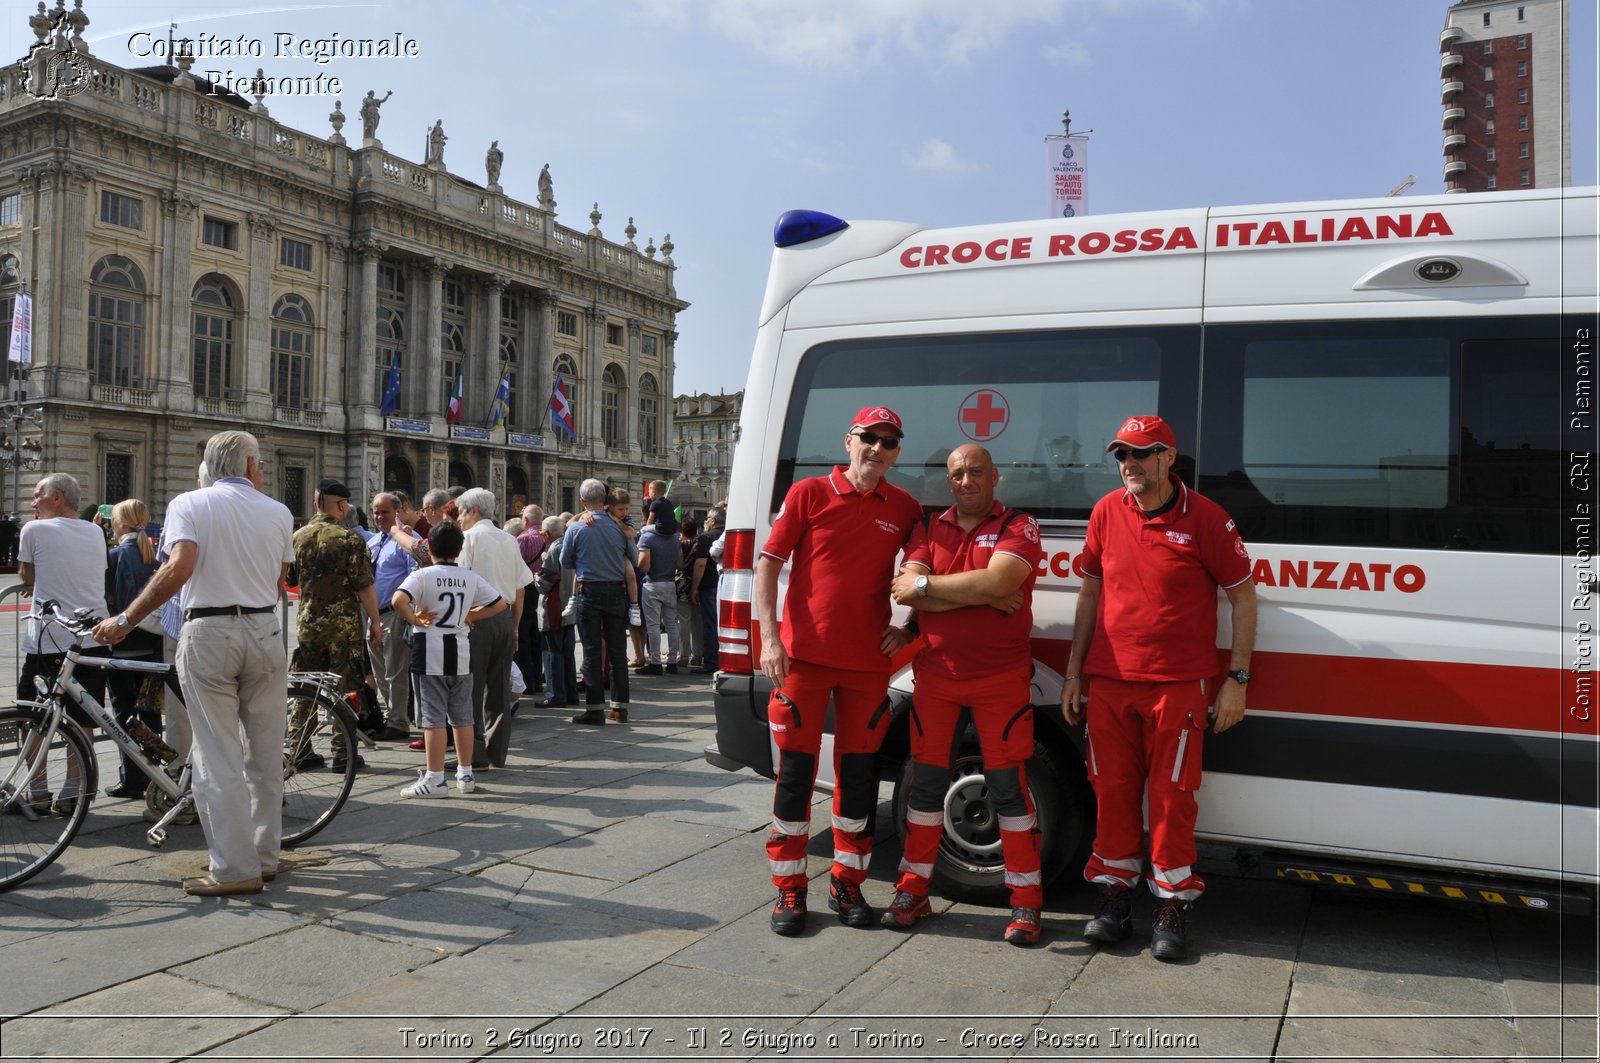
(1394, 400)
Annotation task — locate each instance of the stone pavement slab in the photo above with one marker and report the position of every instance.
(1328, 1020)
(304, 967)
(77, 960)
(158, 1016)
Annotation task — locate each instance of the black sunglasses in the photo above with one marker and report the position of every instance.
(1122, 454)
(873, 439)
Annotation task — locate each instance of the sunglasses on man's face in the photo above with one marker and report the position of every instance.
(873, 439)
(1122, 454)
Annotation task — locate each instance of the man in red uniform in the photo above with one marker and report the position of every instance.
(973, 559)
(1146, 632)
(840, 534)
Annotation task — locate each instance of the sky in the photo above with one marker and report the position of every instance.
(706, 119)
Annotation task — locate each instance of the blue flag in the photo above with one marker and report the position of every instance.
(391, 389)
(502, 401)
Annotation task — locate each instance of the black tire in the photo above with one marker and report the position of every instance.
(970, 865)
(313, 792)
(32, 838)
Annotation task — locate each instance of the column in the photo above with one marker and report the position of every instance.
(669, 404)
(483, 345)
(361, 395)
(595, 363)
(68, 371)
(334, 342)
(630, 399)
(428, 400)
(257, 348)
(540, 358)
(669, 397)
(169, 333)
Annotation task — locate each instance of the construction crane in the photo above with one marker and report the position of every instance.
(1401, 188)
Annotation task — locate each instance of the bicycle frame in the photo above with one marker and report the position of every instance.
(67, 686)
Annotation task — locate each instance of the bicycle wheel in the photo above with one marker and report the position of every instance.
(320, 732)
(42, 802)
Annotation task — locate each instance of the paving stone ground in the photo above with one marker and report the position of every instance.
(605, 897)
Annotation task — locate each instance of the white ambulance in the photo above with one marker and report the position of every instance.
(1393, 398)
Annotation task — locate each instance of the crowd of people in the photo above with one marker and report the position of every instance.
(442, 616)
(437, 620)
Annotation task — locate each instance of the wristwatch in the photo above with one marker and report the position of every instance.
(922, 586)
(123, 622)
(1239, 675)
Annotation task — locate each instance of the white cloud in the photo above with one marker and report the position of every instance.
(935, 156)
(848, 33)
(1070, 54)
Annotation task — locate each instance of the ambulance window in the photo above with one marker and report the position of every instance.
(1044, 404)
(1431, 434)
(1347, 423)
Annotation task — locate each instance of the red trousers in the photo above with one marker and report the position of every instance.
(1002, 713)
(1146, 736)
(796, 714)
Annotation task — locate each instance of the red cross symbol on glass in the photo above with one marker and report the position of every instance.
(984, 415)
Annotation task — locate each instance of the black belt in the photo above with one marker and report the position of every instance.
(603, 583)
(225, 610)
(386, 609)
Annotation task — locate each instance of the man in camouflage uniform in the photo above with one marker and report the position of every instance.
(336, 587)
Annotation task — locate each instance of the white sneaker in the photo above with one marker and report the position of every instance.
(423, 788)
(466, 783)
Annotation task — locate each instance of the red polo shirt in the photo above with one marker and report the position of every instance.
(1158, 598)
(976, 641)
(841, 545)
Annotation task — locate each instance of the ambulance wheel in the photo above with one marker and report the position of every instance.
(970, 864)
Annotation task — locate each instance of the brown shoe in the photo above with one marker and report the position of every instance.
(207, 886)
(594, 717)
(618, 715)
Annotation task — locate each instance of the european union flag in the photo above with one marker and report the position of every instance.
(391, 389)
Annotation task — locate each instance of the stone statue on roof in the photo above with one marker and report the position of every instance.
(369, 113)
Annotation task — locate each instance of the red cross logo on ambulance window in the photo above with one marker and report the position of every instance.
(984, 415)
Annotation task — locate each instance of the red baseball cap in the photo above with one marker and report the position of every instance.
(871, 415)
(1144, 430)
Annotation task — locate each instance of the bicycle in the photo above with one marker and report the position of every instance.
(49, 773)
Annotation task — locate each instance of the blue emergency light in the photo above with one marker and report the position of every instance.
(800, 226)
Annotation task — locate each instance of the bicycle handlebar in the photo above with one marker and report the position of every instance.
(80, 622)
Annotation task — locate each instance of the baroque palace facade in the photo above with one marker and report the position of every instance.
(195, 265)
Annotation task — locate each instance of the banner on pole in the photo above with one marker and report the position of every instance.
(21, 348)
(1067, 164)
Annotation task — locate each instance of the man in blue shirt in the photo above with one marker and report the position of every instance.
(602, 557)
(391, 564)
(658, 559)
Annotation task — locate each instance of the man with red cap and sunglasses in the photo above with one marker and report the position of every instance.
(840, 535)
(1145, 632)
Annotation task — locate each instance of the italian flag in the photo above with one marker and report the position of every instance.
(452, 410)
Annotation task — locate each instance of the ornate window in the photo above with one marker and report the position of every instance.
(461, 474)
(508, 367)
(397, 475)
(216, 319)
(291, 352)
(516, 489)
(649, 413)
(116, 323)
(452, 335)
(390, 325)
(611, 406)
